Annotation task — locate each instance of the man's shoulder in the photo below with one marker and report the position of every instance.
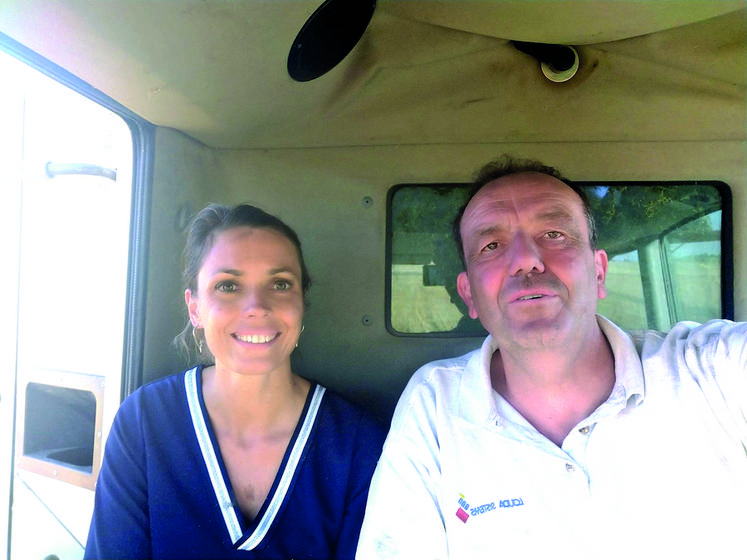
(683, 335)
(444, 371)
(692, 335)
(436, 385)
(710, 353)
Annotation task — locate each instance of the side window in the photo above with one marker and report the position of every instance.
(423, 263)
(694, 256)
(669, 246)
(670, 252)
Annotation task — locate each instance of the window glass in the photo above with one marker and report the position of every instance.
(624, 298)
(665, 242)
(694, 255)
(423, 262)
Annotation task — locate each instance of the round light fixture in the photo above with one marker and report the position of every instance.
(327, 37)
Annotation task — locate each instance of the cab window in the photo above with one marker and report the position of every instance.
(669, 245)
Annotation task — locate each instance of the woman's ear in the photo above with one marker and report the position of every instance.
(192, 309)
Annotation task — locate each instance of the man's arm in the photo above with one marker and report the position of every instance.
(403, 515)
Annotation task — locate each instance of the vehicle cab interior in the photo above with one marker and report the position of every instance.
(360, 123)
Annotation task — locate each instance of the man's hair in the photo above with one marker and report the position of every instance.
(507, 165)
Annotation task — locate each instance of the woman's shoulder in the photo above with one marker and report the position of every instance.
(340, 414)
(344, 406)
(165, 383)
(163, 392)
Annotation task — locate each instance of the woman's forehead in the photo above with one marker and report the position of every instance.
(252, 245)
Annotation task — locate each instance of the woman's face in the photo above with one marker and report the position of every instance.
(249, 300)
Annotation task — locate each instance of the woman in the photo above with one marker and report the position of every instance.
(242, 458)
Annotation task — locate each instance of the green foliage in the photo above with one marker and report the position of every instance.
(427, 208)
(629, 215)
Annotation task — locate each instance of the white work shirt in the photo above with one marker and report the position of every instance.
(659, 470)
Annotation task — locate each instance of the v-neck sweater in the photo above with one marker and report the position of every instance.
(164, 492)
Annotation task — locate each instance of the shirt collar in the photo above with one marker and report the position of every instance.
(629, 385)
(477, 405)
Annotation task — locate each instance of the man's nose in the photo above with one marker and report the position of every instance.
(525, 255)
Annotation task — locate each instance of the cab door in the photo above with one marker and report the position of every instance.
(66, 172)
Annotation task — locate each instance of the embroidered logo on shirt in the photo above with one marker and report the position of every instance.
(462, 511)
(465, 511)
(511, 503)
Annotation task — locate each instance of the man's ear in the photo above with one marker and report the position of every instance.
(191, 302)
(466, 293)
(600, 262)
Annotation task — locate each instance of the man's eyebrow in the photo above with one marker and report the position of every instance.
(555, 214)
(489, 229)
(551, 214)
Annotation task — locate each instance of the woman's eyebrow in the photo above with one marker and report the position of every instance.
(231, 271)
(283, 269)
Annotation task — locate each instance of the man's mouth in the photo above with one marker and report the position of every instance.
(533, 296)
(256, 338)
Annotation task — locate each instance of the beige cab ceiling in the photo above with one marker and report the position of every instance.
(425, 71)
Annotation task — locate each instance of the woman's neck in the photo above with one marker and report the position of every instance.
(255, 403)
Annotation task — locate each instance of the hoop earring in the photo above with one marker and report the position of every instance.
(198, 340)
(299, 334)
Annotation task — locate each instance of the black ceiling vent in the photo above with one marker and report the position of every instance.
(327, 37)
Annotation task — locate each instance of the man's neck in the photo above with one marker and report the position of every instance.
(555, 390)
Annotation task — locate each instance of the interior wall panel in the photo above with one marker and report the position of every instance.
(320, 193)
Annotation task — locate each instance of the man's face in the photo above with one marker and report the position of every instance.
(531, 276)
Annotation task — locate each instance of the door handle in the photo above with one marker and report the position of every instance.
(54, 169)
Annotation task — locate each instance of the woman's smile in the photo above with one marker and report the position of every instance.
(256, 338)
(250, 300)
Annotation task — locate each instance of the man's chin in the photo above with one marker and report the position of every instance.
(539, 332)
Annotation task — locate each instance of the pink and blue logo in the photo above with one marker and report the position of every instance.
(464, 512)
(463, 509)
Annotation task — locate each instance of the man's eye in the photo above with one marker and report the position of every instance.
(282, 285)
(492, 246)
(226, 287)
(554, 235)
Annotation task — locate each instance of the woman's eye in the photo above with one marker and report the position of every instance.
(282, 285)
(226, 287)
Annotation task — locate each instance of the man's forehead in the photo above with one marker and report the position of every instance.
(532, 191)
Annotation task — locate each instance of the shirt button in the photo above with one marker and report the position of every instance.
(569, 467)
(585, 430)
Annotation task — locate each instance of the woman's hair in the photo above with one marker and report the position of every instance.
(201, 234)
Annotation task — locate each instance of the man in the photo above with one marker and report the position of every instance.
(561, 436)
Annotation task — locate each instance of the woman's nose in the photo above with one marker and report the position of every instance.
(256, 303)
